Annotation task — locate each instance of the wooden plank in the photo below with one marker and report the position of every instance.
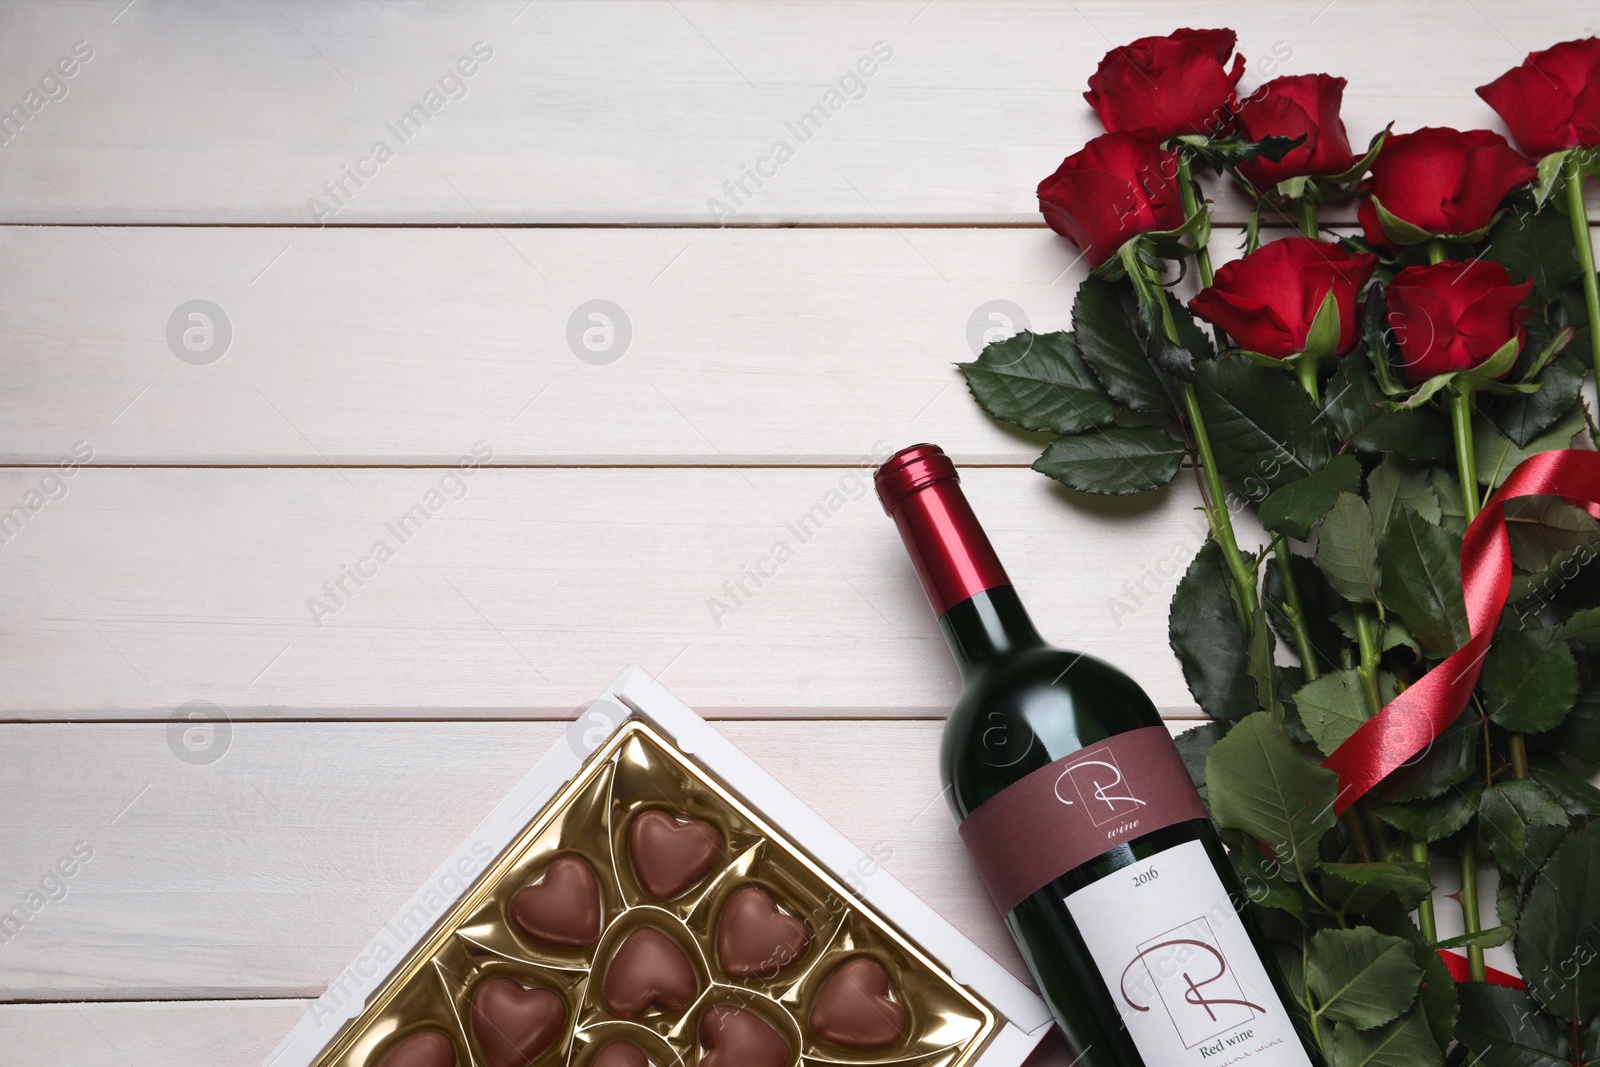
(640, 112)
(227, 1033)
(525, 591)
(407, 346)
(262, 874)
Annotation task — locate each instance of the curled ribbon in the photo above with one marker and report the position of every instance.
(1409, 723)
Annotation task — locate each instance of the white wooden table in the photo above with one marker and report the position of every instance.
(234, 871)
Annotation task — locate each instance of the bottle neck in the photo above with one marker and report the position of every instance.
(980, 613)
(988, 627)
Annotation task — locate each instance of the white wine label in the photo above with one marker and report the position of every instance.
(1182, 970)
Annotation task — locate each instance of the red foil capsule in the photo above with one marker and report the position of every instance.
(920, 489)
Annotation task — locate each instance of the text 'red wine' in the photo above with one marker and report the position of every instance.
(1083, 822)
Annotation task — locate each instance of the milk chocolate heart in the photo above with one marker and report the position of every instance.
(515, 1026)
(853, 1007)
(754, 938)
(620, 1053)
(650, 971)
(425, 1048)
(670, 854)
(734, 1037)
(562, 906)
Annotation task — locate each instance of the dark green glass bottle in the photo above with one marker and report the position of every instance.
(1083, 822)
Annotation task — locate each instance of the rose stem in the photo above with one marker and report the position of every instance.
(1460, 422)
(1579, 217)
(1469, 901)
(1295, 612)
(1466, 468)
(1191, 204)
(1367, 641)
(1306, 213)
(1244, 578)
(1466, 465)
(1419, 854)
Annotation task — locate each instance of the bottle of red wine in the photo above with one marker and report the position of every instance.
(1083, 822)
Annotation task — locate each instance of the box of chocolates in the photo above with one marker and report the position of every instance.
(648, 897)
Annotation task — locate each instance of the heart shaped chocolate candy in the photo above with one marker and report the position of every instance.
(671, 853)
(853, 1008)
(756, 939)
(515, 1026)
(424, 1048)
(650, 971)
(562, 906)
(620, 1053)
(734, 1037)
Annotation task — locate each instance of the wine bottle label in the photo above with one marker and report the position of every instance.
(1079, 807)
(1180, 966)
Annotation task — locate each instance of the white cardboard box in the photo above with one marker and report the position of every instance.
(1022, 1018)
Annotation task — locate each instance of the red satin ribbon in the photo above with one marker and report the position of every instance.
(1456, 964)
(1408, 724)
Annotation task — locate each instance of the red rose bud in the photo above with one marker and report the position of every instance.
(1453, 316)
(1268, 300)
(1552, 101)
(1304, 104)
(1446, 183)
(1118, 186)
(1178, 84)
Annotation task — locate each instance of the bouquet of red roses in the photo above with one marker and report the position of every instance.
(1396, 406)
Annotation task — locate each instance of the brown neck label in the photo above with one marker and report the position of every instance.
(1079, 807)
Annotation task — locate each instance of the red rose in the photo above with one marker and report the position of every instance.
(1289, 107)
(1118, 186)
(1444, 182)
(1268, 300)
(1178, 84)
(1552, 101)
(1453, 316)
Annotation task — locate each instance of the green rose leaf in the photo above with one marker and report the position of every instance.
(1580, 733)
(1583, 626)
(1530, 679)
(1558, 933)
(1333, 707)
(1422, 582)
(1114, 461)
(1545, 530)
(1360, 887)
(1497, 455)
(1204, 631)
(1316, 597)
(1438, 996)
(1258, 783)
(1573, 794)
(1396, 481)
(1362, 977)
(1107, 340)
(1296, 507)
(1039, 382)
(1264, 429)
(1503, 1027)
(1351, 404)
(1493, 937)
(1193, 745)
(1507, 811)
(1431, 820)
(1261, 875)
(1406, 1042)
(1537, 247)
(1347, 550)
(1524, 416)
